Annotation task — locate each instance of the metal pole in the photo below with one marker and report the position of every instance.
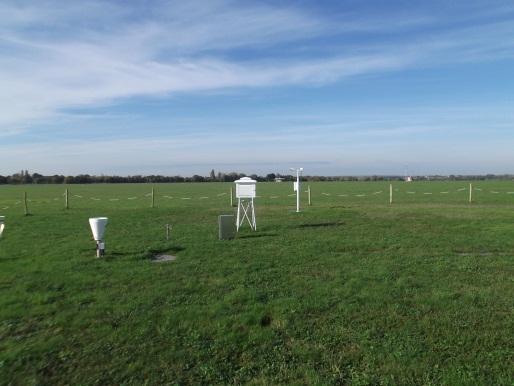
(309, 191)
(238, 214)
(254, 222)
(470, 192)
(66, 195)
(297, 190)
(390, 193)
(100, 248)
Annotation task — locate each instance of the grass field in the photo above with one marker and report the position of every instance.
(350, 291)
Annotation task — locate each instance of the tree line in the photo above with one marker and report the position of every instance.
(24, 177)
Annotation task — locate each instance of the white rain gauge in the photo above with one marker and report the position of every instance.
(2, 225)
(98, 225)
(245, 194)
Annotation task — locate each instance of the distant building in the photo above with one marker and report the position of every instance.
(279, 179)
(408, 179)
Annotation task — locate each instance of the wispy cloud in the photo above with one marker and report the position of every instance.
(383, 143)
(60, 55)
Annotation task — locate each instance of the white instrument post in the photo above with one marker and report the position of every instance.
(296, 187)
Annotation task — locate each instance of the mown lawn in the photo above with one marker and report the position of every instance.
(350, 291)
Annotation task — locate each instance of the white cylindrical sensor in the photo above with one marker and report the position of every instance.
(98, 225)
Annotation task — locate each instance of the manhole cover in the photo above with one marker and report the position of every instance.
(161, 258)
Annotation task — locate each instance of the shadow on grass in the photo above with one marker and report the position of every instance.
(117, 253)
(8, 258)
(147, 254)
(321, 224)
(257, 235)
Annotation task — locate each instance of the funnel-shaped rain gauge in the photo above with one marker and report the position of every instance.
(98, 225)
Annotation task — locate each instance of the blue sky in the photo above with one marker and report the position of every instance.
(338, 87)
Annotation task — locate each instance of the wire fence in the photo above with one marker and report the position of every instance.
(392, 194)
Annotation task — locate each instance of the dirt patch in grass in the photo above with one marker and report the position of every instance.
(163, 258)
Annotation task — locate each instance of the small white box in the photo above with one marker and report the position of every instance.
(245, 188)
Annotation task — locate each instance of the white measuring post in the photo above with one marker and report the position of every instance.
(296, 187)
(98, 225)
(470, 192)
(2, 225)
(245, 194)
(390, 193)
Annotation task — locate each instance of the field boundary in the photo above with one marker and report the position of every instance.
(68, 197)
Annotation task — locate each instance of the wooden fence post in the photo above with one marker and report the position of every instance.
(25, 203)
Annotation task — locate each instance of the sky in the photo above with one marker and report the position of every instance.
(346, 87)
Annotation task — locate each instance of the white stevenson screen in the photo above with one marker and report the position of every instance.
(245, 191)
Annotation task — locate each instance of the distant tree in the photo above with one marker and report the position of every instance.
(26, 177)
(55, 179)
(16, 178)
(38, 178)
(23, 177)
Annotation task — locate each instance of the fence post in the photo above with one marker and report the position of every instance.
(66, 205)
(390, 193)
(153, 198)
(309, 194)
(25, 203)
(470, 192)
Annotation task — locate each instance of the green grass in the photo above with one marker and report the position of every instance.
(350, 291)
